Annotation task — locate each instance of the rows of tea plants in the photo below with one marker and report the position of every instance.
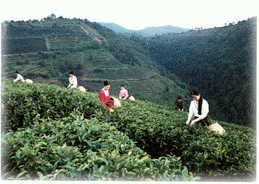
(38, 143)
(44, 125)
(23, 102)
(162, 131)
(85, 149)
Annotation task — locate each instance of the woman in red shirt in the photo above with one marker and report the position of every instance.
(104, 96)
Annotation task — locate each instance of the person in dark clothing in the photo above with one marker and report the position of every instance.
(178, 104)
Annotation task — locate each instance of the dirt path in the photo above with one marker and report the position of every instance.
(27, 53)
(102, 79)
(84, 30)
(110, 79)
(87, 33)
(47, 43)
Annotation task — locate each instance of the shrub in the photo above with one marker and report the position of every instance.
(30, 111)
(77, 148)
(162, 131)
(22, 103)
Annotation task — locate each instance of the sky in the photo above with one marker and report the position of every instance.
(135, 14)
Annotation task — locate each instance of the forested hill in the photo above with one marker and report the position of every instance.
(47, 50)
(219, 61)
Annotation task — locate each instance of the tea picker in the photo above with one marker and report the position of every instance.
(199, 107)
(72, 80)
(20, 78)
(104, 97)
(124, 94)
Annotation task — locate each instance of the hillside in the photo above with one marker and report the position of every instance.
(148, 31)
(53, 133)
(115, 27)
(218, 61)
(45, 51)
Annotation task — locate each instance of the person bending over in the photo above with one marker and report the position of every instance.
(123, 93)
(104, 96)
(199, 107)
(19, 77)
(72, 80)
(178, 104)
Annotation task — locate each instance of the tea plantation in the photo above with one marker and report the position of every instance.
(54, 133)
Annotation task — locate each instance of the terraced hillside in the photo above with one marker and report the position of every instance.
(93, 52)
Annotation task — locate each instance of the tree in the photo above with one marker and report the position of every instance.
(60, 18)
(52, 16)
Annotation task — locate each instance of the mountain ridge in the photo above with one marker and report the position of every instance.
(148, 31)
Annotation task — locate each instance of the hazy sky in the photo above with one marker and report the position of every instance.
(135, 14)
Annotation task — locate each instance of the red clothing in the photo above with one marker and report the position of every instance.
(107, 101)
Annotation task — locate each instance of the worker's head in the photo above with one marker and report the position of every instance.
(195, 94)
(106, 85)
(71, 74)
(122, 87)
(16, 72)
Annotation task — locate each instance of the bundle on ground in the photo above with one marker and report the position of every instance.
(217, 128)
(28, 81)
(81, 88)
(117, 103)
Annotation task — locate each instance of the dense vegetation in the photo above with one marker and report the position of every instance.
(218, 61)
(39, 143)
(50, 132)
(23, 45)
(92, 51)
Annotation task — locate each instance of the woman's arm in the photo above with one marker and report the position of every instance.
(190, 113)
(204, 112)
(120, 96)
(74, 82)
(104, 99)
(126, 94)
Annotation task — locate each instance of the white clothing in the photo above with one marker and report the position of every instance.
(123, 94)
(72, 82)
(106, 92)
(193, 110)
(19, 77)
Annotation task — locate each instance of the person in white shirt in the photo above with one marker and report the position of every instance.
(19, 77)
(72, 80)
(199, 107)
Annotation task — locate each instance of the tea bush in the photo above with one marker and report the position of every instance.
(39, 130)
(77, 148)
(23, 102)
(161, 131)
